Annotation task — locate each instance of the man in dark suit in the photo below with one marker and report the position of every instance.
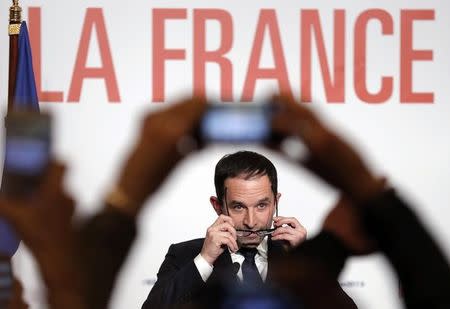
(236, 247)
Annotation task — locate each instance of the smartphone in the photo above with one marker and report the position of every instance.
(236, 123)
(27, 152)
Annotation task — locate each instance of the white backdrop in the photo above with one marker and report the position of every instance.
(401, 139)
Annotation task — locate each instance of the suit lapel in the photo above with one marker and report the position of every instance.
(223, 269)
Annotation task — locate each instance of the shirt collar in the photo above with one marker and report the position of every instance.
(262, 248)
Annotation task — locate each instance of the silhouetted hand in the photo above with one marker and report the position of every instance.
(163, 141)
(344, 221)
(44, 223)
(330, 157)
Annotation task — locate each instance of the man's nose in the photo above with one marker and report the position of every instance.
(250, 220)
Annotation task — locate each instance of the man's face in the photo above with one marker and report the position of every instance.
(251, 205)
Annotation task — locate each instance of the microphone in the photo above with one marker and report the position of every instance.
(236, 267)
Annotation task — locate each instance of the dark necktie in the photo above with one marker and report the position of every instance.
(250, 272)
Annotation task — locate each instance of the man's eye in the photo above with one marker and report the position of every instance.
(262, 206)
(238, 207)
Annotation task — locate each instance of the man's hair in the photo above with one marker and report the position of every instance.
(245, 164)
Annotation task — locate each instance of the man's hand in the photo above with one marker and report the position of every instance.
(162, 143)
(43, 220)
(290, 230)
(44, 223)
(220, 235)
(344, 221)
(330, 157)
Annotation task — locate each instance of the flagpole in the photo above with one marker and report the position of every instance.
(13, 31)
(15, 18)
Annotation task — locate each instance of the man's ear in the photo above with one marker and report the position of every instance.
(216, 205)
(278, 197)
(277, 203)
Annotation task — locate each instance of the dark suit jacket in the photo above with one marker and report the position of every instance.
(179, 282)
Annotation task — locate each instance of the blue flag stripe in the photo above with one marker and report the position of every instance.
(25, 97)
(25, 94)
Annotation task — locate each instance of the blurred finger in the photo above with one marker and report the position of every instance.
(53, 178)
(190, 109)
(51, 192)
(295, 119)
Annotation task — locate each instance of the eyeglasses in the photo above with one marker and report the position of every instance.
(245, 233)
(260, 233)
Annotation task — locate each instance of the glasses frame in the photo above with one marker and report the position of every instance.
(245, 233)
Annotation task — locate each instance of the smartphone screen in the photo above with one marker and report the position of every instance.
(236, 124)
(27, 151)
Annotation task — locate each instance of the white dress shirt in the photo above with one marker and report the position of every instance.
(205, 269)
